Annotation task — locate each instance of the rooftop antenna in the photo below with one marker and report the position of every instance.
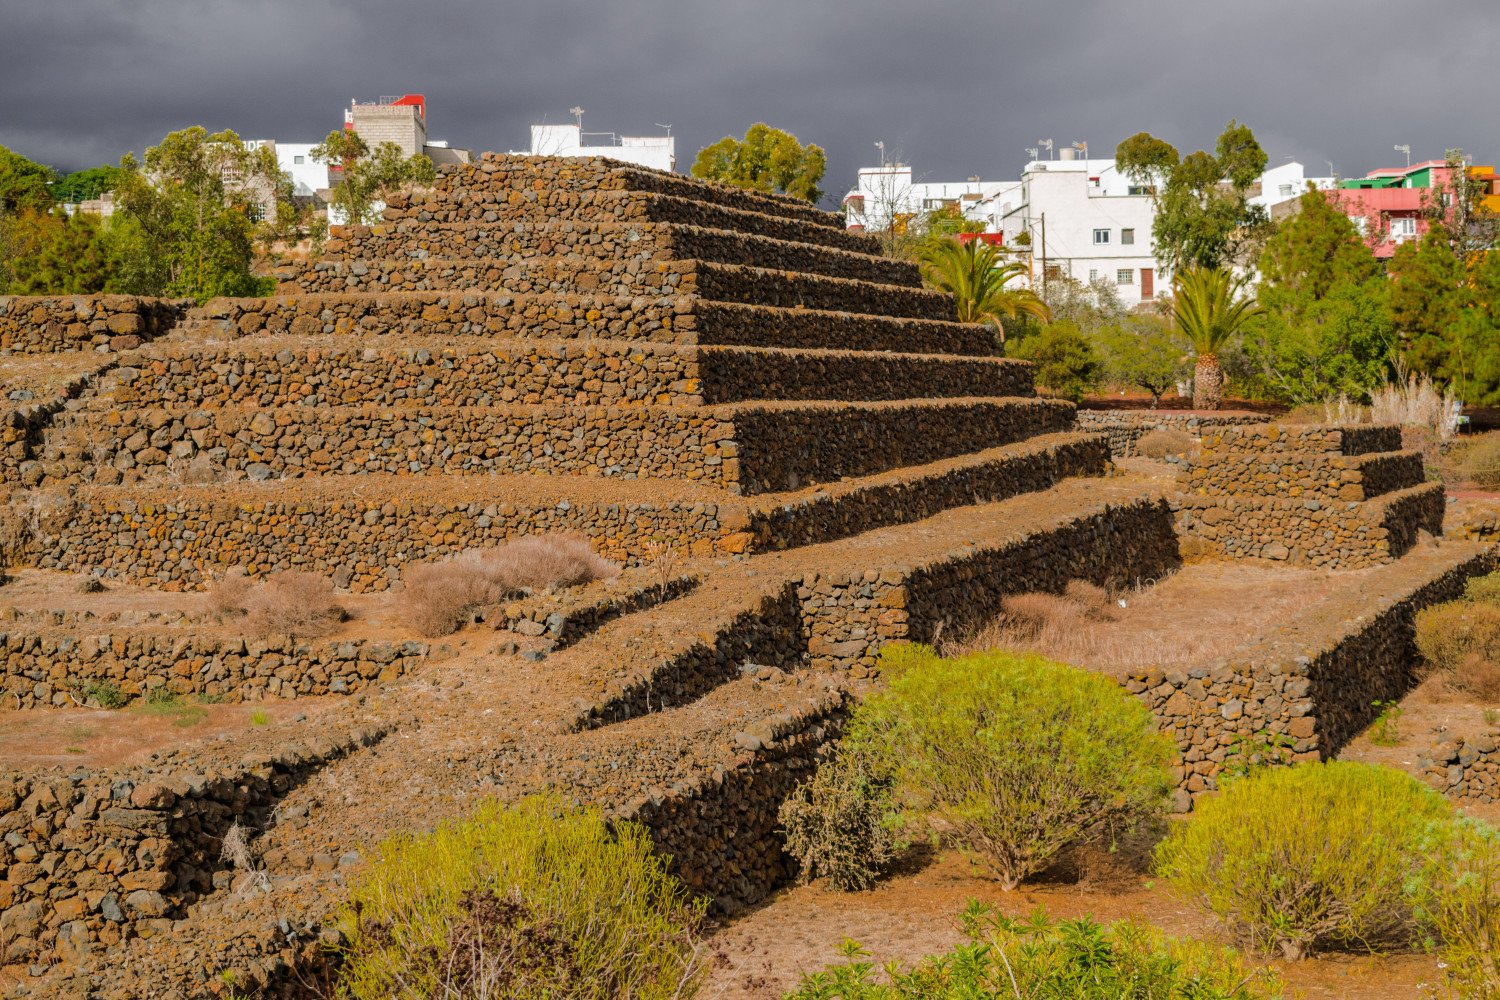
(880, 145)
(667, 127)
(1047, 145)
(1405, 148)
(577, 114)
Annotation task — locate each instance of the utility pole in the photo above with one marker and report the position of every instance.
(1044, 255)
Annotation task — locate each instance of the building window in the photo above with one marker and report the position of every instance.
(1127, 237)
(1139, 189)
(1125, 276)
(1101, 236)
(1093, 275)
(1286, 190)
(299, 159)
(1403, 227)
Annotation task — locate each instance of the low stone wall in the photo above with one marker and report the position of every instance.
(566, 274)
(1358, 439)
(788, 290)
(92, 857)
(1328, 534)
(180, 542)
(733, 324)
(565, 618)
(1311, 684)
(478, 371)
(1126, 427)
(53, 324)
(48, 668)
(903, 496)
(22, 431)
(1321, 476)
(1466, 769)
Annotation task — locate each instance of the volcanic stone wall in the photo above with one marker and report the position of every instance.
(1126, 427)
(93, 856)
(1334, 497)
(53, 324)
(49, 668)
(1308, 688)
(1464, 768)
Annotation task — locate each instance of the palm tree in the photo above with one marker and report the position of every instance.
(975, 276)
(1207, 310)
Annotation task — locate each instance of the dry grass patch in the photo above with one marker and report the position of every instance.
(295, 602)
(1165, 441)
(441, 597)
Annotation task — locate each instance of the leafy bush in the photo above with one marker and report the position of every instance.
(1460, 905)
(1037, 958)
(1483, 588)
(839, 824)
(105, 694)
(1308, 857)
(1065, 360)
(1019, 756)
(440, 597)
(530, 900)
(1165, 441)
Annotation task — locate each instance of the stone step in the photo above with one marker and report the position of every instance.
(756, 447)
(284, 370)
(1308, 476)
(364, 529)
(1271, 440)
(501, 177)
(627, 206)
(1330, 535)
(622, 244)
(575, 274)
(663, 319)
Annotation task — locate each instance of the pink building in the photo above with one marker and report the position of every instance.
(1388, 204)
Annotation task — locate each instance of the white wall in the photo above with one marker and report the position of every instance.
(1286, 182)
(882, 193)
(308, 176)
(656, 152)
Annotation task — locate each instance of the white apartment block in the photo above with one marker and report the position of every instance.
(1284, 184)
(889, 193)
(658, 152)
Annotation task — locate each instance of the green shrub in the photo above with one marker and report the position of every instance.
(840, 824)
(1485, 589)
(1308, 857)
(530, 900)
(1460, 906)
(1066, 362)
(105, 694)
(1019, 756)
(1037, 958)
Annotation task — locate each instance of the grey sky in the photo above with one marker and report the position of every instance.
(958, 87)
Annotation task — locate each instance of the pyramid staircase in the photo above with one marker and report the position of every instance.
(538, 345)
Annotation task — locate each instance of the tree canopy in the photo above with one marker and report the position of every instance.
(369, 176)
(766, 159)
(1203, 213)
(85, 185)
(23, 183)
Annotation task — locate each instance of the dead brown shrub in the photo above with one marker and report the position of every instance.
(295, 602)
(441, 597)
(1165, 441)
(227, 595)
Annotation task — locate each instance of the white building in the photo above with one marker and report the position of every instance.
(1286, 183)
(659, 152)
(889, 193)
(1081, 219)
(307, 174)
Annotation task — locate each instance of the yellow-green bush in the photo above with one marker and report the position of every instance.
(1460, 907)
(1301, 858)
(532, 900)
(1037, 958)
(1483, 588)
(1018, 756)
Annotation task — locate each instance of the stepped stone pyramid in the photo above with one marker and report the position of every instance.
(1331, 497)
(544, 344)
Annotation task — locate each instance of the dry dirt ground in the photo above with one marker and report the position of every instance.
(764, 953)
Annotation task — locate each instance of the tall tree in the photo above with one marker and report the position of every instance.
(86, 185)
(766, 159)
(23, 184)
(368, 177)
(1203, 213)
(187, 214)
(69, 256)
(1208, 312)
(1447, 313)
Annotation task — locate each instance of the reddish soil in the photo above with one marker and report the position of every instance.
(1201, 612)
(764, 953)
(83, 737)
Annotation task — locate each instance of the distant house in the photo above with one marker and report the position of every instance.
(658, 152)
(1391, 205)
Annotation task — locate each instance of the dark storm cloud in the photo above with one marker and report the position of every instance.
(959, 88)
